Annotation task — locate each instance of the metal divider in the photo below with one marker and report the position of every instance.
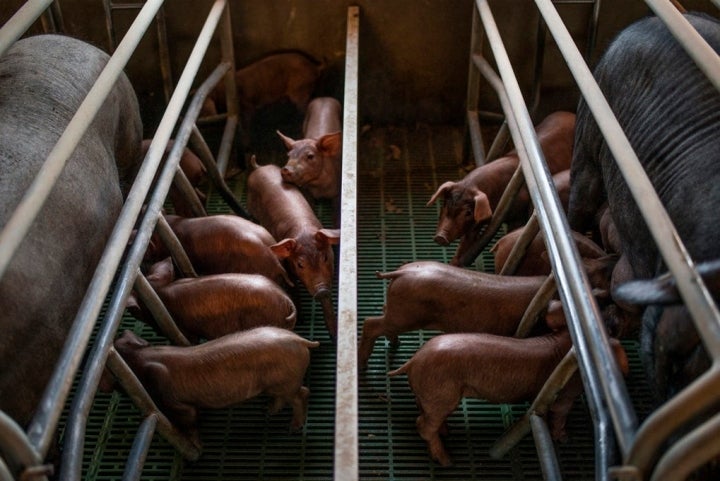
(29, 448)
(613, 413)
(346, 400)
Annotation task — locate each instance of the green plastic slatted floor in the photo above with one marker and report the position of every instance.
(399, 169)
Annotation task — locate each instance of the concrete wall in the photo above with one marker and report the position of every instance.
(414, 53)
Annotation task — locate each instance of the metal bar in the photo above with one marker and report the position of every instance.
(473, 96)
(689, 453)
(162, 316)
(168, 237)
(575, 291)
(109, 26)
(186, 189)
(164, 54)
(703, 54)
(43, 424)
(519, 249)
(140, 447)
(20, 22)
(15, 446)
(499, 142)
(346, 397)
(537, 305)
(205, 155)
(702, 393)
(145, 404)
(546, 454)
(559, 378)
(592, 30)
(24, 215)
(5, 474)
(226, 145)
(42, 427)
(57, 16)
(227, 55)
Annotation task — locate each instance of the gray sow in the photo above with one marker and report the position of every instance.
(43, 81)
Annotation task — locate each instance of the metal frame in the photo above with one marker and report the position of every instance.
(29, 448)
(612, 411)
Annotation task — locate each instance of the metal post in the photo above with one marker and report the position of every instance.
(346, 395)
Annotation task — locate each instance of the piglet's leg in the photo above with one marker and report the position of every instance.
(299, 407)
(373, 327)
(432, 421)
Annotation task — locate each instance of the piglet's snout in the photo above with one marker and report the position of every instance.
(441, 238)
(322, 293)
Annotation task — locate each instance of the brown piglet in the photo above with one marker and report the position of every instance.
(498, 369)
(283, 210)
(314, 162)
(469, 203)
(222, 372)
(276, 77)
(211, 306)
(536, 262)
(220, 244)
(194, 170)
(434, 295)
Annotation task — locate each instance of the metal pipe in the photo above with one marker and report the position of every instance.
(164, 54)
(154, 304)
(140, 447)
(5, 474)
(227, 55)
(205, 155)
(473, 95)
(574, 287)
(702, 393)
(519, 249)
(346, 387)
(703, 54)
(24, 215)
(16, 447)
(562, 373)
(18, 24)
(546, 453)
(168, 237)
(109, 25)
(499, 142)
(229, 134)
(145, 404)
(186, 189)
(592, 30)
(537, 305)
(43, 424)
(690, 452)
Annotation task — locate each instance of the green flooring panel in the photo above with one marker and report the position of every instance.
(399, 169)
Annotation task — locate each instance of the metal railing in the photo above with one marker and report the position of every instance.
(29, 448)
(610, 406)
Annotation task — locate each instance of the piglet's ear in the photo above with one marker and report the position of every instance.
(441, 190)
(482, 207)
(330, 144)
(286, 140)
(284, 248)
(327, 236)
(161, 273)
